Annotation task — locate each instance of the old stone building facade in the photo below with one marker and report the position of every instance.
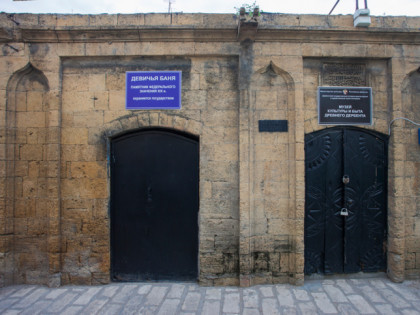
(62, 101)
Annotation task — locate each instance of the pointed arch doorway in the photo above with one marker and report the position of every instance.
(154, 205)
(345, 201)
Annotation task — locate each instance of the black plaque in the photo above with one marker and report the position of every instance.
(344, 105)
(272, 125)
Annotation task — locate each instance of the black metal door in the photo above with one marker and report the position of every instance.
(154, 206)
(345, 201)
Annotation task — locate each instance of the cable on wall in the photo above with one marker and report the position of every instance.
(403, 118)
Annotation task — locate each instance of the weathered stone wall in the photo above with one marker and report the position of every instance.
(407, 169)
(62, 98)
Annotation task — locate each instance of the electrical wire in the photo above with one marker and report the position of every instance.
(403, 118)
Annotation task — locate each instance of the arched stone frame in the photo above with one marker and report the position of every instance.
(27, 223)
(149, 119)
(274, 77)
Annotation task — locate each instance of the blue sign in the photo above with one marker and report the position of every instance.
(153, 89)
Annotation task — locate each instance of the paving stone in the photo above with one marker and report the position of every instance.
(213, 294)
(110, 291)
(133, 304)
(72, 310)
(315, 297)
(270, 306)
(37, 308)
(54, 294)
(124, 294)
(335, 294)
(62, 302)
(250, 298)
(156, 295)
(377, 283)
(144, 289)
(410, 312)
(94, 306)
(405, 292)
(211, 307)
(87, 296)
(251, 311)
(176, 291)
(324, 303)
(6, 291)
(11, 312)
(344, 285)
(112, 309)
(371, 294)
(231, 303)
(346, 309)
(169, 307)
(301, 295)
(284, 296)
(307, 308)
(361, 304)
(8, 303)
(22, 291)
(266, 291)
(231, 290)
(192, 301)
(394, 298)
(385, 309)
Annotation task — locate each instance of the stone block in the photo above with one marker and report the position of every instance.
(30, 152)
(71, 49)
(117, 101)
(96, 169)
(97, 82)
(88, 119)
(157, 19)
(115, 81)
(74, 136)
(64, 20)
(35, 101)
(131, 19)
(105, 49)
(101, 20)
(31, 119)
(85, 188)
(78, 101)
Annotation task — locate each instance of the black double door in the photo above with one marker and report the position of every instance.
(345, 201)
(154, 206)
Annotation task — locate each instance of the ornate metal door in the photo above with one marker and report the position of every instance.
(345, 205)
(154, 206)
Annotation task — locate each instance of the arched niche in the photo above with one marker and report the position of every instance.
(25, 144)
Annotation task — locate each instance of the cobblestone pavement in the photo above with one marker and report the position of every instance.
(333, 296)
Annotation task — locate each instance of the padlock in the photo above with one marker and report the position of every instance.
(346, 179)
(344, 212)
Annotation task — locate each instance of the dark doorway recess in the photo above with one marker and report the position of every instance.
(154, 206)
(345, 201)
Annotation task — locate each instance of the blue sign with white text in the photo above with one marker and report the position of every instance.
(153, 89)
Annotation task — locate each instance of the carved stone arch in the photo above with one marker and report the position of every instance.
(271, 74)
(28, 75)
(272, 70)
(138, 120)
(272, 176)
(25, 144)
